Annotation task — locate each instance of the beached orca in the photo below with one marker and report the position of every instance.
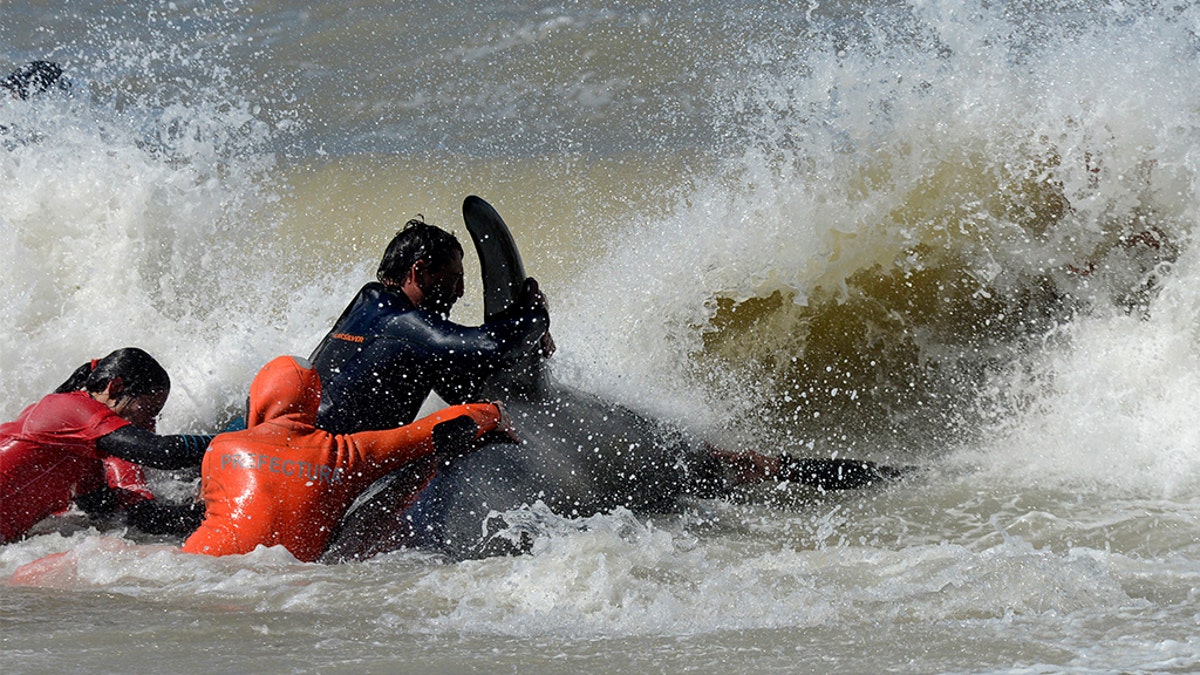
(580, 454)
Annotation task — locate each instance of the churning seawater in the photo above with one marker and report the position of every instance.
(949, 234)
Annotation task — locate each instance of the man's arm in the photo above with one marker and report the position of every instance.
(148, 448)
(448, 433)
(466, 357)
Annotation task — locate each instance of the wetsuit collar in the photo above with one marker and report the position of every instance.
(395, 292)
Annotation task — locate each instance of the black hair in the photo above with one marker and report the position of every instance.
(33, 78)
(138, 370)
(417, 241)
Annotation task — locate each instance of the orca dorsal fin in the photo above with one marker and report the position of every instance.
(503, 279)
(500, 261)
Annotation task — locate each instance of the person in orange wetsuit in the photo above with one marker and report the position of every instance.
(282, 481)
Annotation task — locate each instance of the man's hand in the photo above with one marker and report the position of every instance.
(533, 298)
(746, 466)
(506, 424)
(547, 345)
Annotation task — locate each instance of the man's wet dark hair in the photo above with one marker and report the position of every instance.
(33, 78)
(138, 370)
(417, 241)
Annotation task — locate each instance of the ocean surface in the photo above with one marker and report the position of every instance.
(952, 234)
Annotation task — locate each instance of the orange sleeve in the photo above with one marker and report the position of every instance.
(395, 447)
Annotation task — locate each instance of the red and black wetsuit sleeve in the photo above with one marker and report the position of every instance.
(178, 451)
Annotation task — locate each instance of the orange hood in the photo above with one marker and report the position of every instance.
(288, 386)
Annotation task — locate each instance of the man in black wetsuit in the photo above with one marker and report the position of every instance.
(394, 344)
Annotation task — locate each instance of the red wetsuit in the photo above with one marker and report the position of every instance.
(284, 482)
(128, 479)
(48, 455)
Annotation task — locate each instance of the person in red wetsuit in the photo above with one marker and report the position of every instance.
(79, 441)
(282, 481)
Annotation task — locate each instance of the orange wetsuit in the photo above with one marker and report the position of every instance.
(284, 482)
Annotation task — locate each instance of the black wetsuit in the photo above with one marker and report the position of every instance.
(384, 356)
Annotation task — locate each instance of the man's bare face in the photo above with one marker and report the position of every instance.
(441, 287)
